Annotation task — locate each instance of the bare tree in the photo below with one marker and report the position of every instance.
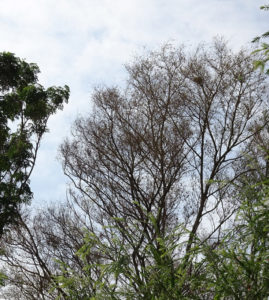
(168, 148)
(33, 248)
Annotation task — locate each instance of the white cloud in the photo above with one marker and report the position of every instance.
(86, 42)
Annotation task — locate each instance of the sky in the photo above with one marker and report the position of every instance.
(86, 43)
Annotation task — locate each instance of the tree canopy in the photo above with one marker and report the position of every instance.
(25, 107)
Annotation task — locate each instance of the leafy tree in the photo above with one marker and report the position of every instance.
(25, 107)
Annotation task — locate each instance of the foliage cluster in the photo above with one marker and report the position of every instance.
(25, 107)
(264, 47)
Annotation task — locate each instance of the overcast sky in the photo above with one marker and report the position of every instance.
(84, 43)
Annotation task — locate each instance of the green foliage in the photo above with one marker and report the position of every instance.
(264, 48)
(239, 268)
(164, 277)
(86, 285)
(262, 63)
(3, 277)
(25, 107)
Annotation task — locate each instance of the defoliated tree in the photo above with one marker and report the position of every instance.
(25, 107)
(163, 155)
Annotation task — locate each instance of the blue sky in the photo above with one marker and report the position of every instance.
(84, 43)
